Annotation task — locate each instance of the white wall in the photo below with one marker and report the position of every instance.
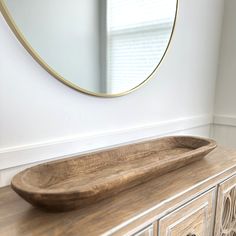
(41, 118)
(225, 106)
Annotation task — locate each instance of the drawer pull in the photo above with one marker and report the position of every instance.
(191, 234)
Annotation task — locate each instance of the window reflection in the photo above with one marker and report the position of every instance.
(138, 32)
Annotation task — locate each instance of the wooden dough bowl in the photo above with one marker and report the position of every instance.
(82, 180)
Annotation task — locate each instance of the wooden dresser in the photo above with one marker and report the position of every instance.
(196, 200)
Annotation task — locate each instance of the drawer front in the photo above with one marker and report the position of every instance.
(193, 219)
(225, 223)
(145, 232)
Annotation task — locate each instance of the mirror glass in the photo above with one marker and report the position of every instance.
(100, 47)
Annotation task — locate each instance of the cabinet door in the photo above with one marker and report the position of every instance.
(225, 223)
(193, 219)
(145, 232)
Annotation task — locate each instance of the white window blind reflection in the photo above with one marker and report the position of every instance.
(138, 32)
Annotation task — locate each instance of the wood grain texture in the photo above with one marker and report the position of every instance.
(194, 218)
(146, 232)
(226, 208)
(125, 213)
(77, 182)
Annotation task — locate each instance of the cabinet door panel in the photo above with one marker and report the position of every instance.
(225, 223)
(194, 218)
(145, 232)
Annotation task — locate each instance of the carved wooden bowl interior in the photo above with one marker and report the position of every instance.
(78, 181)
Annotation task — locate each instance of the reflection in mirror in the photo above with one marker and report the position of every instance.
(102, 47)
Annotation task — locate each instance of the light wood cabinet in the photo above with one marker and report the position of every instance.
(194, 218)
(196, 200)
(225, 223)
(211, 214)
(145, 232)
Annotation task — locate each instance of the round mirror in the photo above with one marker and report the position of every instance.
(100, 47)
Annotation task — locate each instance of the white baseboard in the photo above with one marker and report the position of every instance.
(64, 147)
(224, 120)
(224, 130)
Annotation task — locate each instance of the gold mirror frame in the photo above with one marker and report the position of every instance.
(10, 21)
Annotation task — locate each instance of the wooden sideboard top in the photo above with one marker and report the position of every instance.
(133, 208)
